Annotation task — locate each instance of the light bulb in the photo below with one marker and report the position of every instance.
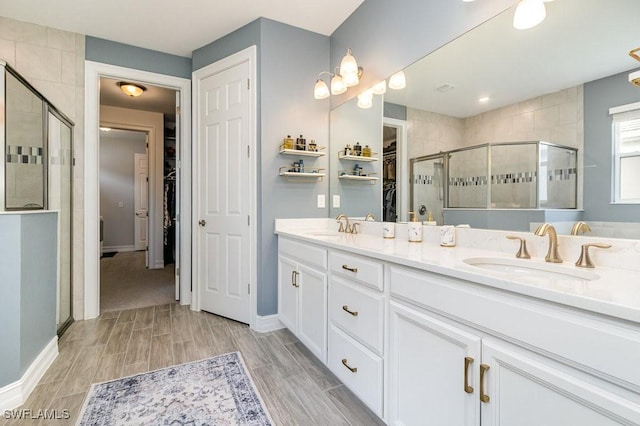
(320, 91)
(380, 88)
(397, 81)
(337, 85)
(528, 14)
(365, 99)
(348, 65)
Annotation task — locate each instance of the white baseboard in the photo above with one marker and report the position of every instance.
(265, 324)
(15, 394)
(108, 249)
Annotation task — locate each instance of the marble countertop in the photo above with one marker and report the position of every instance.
(612, 291)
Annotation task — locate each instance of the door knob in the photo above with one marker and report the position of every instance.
(202, 222)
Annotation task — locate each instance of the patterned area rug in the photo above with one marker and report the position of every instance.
(213, 391)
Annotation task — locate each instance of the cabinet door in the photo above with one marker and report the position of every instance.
(427, 371)
(527, 392)
(288, 293)
(312, 311)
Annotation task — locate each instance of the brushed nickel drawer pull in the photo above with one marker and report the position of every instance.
(349, 269)
(352, 369)
(483, 396)
(346, 309)
(295, 279)
(467, 362)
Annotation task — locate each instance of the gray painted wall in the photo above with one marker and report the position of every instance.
(117, 184)
(399, 112)
(124, 55)
(285, 106)
(387, 36)
(28, 265)
(295, 57)
(599, 96)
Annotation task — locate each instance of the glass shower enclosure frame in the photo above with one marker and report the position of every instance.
(512, 175)
(36, 171)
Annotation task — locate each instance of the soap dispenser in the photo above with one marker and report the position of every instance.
(414, 228)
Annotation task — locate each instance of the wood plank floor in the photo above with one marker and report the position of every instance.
(296, 387)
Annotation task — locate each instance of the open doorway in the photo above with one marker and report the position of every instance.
(138, 197)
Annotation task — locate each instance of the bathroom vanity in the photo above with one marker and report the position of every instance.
(468, 335)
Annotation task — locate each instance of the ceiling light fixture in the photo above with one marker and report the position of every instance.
(529, 13)
(397, 81)
(131, 89)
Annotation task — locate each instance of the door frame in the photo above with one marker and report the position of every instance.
(137, 226)
(93, 72)
(246, 55)
(402, 174)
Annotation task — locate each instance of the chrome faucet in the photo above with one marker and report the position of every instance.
(552, 255)
(343, 227)
(579, 227)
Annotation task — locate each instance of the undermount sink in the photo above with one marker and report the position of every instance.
(532, 269)
(322, 233)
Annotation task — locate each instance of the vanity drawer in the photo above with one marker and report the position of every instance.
(357, 268)
(357, 367)
(358, 311)
(307, 253)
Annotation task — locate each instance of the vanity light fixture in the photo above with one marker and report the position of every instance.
(345, 76)
(397, 81)
(131, 89)
(529, 13)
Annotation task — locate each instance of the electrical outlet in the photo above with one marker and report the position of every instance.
(336, 202)
(321, 203)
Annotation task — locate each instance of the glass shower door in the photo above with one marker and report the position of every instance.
(60, 180)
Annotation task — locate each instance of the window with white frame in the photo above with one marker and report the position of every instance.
(626, 157)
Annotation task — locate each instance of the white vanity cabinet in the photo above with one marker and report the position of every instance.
(446, 365)
(302, 293)
(356, 325)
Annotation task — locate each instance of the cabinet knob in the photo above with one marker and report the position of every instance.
(467, 362)
(483, 396)
(346, 364)
(202, 222)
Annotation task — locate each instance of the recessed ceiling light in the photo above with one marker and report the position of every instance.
(484, 99)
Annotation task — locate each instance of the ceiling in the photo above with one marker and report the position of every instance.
(177, 27)
(578, 42)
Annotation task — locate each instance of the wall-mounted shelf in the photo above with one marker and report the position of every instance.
(358, 178)
(302, 152)
(342, 156)
(316, 174)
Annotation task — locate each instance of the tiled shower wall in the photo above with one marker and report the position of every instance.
(53, 62)
(556, 117)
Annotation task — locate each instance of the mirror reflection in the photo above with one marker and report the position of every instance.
(553, 83)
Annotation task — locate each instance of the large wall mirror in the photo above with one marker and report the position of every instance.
(553, 83)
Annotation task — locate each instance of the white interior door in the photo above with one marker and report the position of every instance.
(141, 202)
(223, 247)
